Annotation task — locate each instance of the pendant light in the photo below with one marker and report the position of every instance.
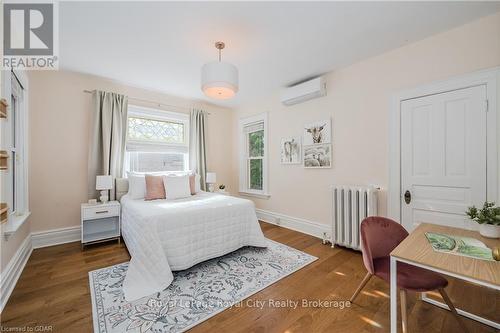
(219, 79)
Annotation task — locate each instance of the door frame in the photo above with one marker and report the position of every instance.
(488, 77)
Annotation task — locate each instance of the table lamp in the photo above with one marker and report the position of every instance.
(103, 184)
(211, 180)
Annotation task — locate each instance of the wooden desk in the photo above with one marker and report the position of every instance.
(416, 250)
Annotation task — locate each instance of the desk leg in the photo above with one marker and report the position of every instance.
(469, 315)
(394, 296)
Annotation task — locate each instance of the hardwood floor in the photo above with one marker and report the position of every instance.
(53, 291)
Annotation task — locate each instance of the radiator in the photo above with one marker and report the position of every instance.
(350, 205)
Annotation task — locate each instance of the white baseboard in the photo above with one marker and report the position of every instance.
(35, 240)
(13, 270)
(294, 223)
(55, 237)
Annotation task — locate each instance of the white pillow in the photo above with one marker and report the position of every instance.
(136, 185)
(176, 187)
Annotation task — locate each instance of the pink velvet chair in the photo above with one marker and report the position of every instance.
(379, 236)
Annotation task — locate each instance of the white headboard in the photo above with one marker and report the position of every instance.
(121, 187)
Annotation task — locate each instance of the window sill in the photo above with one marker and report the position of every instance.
(255, 195)
(14, 223)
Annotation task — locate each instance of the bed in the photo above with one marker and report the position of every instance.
(164, 236)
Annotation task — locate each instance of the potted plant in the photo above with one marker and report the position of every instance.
(488, 218)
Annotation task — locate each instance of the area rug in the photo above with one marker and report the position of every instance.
(195, 295)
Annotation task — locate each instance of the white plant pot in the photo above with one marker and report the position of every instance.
(489, 230)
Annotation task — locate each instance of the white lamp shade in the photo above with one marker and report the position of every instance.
(211, 177)
(219, 80)
(104, 183)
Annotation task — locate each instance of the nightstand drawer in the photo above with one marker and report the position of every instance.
(90, 213)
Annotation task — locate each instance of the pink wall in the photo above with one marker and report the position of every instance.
(358, 103)
(59, 121)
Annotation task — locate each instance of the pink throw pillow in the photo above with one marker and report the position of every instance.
(192, 181)
(154, 188)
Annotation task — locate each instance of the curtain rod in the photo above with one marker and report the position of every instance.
(151, 102)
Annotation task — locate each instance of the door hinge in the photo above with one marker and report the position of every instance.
(486, 104)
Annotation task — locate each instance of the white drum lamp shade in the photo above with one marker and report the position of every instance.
(219, 80)
(211, 178)
(104, 183)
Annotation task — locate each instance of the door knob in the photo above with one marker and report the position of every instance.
(407, 197)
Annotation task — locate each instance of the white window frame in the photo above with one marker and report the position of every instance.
(20, 214)
(160, 115)
(244, 188)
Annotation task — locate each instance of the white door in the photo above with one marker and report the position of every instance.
(443, 157)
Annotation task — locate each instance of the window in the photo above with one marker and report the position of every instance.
(150, 130)
(15, 178)
(157, 140)
(16, 145)
(16, 93)
(253, 156)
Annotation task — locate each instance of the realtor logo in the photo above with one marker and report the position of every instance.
(29, 36)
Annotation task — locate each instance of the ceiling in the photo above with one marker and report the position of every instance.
(162, 45)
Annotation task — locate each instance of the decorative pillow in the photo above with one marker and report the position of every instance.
(194, 183)
(154, 187)
(136, 186)
(178, 187)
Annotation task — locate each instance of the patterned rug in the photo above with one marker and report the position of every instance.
(195, 295)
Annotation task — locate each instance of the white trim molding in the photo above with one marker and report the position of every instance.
(55, 237)
(255, 195)
(15, 222)
(318, 230)
(489, 78)
(35, 240)
(13, 270)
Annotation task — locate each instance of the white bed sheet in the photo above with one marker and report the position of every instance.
(164, 236)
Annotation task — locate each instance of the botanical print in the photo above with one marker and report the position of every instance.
(462, 246)
(290, 150)
(195, 295)
(318, 156)
(317, 132)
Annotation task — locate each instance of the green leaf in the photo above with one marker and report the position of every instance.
(488, 214)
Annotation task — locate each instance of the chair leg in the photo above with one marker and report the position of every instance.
(404, 317)
(448, 302)
(361, 286)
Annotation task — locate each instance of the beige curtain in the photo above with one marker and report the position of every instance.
(197, 155)
(108, 134)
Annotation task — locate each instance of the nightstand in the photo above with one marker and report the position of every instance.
(100, 222)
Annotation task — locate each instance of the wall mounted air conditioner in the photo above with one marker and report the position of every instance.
(304, 91)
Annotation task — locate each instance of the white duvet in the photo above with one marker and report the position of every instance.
(164, 236)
